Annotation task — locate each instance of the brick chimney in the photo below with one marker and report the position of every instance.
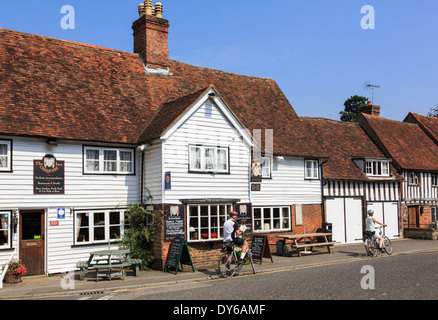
(371, 109)
(151, 36)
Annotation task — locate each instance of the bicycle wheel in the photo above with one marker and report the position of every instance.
(387, 245)
(227, 265)
(370, 248)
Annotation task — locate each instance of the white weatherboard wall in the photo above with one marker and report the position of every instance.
(81, 192)
(287, 185)
(208, 126)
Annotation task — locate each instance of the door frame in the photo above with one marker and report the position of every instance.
(43, 235)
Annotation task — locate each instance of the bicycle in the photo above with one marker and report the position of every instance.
(229, 263)
(371, 245)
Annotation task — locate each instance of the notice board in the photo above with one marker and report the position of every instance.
(48, 176)
(173, 222)
(178, 254)
(260, 248)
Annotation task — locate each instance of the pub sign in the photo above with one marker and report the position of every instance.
(48, 176)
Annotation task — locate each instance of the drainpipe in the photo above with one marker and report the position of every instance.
(322, 190)
(142, 149)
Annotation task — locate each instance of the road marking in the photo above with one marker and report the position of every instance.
(107, 297)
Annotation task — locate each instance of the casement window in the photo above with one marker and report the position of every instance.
(5, 230)
(377, 168)
(311, 170)
(98, 226)
(266, 167)
(5, 155)
(99, 160)
(205, 221)
(208, 159)
(271, 218)
(434, 178)
(434, 213)
(413, 179)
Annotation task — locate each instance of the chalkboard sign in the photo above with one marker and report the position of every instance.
(173, 222)
(178, 254)
(260, 248)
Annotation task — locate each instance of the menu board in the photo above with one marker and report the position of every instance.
(178, 254)
(173, 222)
(260, 248)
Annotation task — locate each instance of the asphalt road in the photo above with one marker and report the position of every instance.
(398, 277)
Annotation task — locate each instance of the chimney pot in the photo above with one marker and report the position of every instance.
(141, 10)
(159, 10)
(148, 7)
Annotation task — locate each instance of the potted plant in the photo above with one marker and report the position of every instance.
(16, 269)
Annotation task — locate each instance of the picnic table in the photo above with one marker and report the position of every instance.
(109, 263)
(308, 240)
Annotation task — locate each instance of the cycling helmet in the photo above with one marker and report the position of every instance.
(233, 214)
(370, 212)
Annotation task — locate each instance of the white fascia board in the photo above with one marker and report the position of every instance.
(225, 110)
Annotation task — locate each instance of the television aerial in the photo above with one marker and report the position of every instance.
(368, 86)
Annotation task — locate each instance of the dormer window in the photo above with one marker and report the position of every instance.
(377, 168)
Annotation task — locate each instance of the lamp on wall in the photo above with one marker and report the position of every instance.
(52, 142)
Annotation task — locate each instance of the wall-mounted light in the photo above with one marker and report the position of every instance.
(52, 142)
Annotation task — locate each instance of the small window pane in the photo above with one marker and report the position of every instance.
(92, 160)
(110, 160)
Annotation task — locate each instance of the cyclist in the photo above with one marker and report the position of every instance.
(371, 227)
(232, 232)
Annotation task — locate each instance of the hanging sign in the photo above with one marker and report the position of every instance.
(48, 176)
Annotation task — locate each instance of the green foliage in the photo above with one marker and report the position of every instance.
(352, 108)
(139, 232)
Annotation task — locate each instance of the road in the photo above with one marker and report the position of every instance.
(400, 277)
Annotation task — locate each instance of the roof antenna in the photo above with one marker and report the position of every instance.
(367, 86)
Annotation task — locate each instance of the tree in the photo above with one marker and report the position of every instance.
(352, 108)
(433, 112)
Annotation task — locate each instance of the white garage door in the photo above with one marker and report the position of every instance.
(386, 212)
(345, 214)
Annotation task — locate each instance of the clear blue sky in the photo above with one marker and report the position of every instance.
(315, 50)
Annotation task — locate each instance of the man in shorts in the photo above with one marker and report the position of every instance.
(232, 232)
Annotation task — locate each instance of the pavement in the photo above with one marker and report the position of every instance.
(69, 284)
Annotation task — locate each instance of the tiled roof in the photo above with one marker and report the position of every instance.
(66, 90)
(428, 124)
(409, 146)
(341, 142)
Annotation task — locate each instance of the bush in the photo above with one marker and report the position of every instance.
(139, 233)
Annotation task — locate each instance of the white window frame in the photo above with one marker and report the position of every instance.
(203, 160)
(7, 228)
(434, 180)
(91, 226)
(314, 169)
(266, 167)
(434, 214)
(102, 161)
(195, 227)
(259, 224)
(377, 168)
(413, 179)
(8, 155)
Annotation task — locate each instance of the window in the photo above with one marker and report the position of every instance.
(434, 180)
(206, 221)
(98, 226)
(266, 167)
(312, 169)
(377, 168)
(5, 155)
(5, 229)
(413, 179)
(271, 218)
(108, 160)
(434, 213)
(208, 159)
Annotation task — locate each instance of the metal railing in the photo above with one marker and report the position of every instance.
(5, 269)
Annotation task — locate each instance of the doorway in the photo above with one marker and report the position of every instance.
(414, 217)
(32, 241)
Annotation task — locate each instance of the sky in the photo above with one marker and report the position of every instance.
(320, 52)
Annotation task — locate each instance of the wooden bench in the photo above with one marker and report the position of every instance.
(329, 246)
(83, 267)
